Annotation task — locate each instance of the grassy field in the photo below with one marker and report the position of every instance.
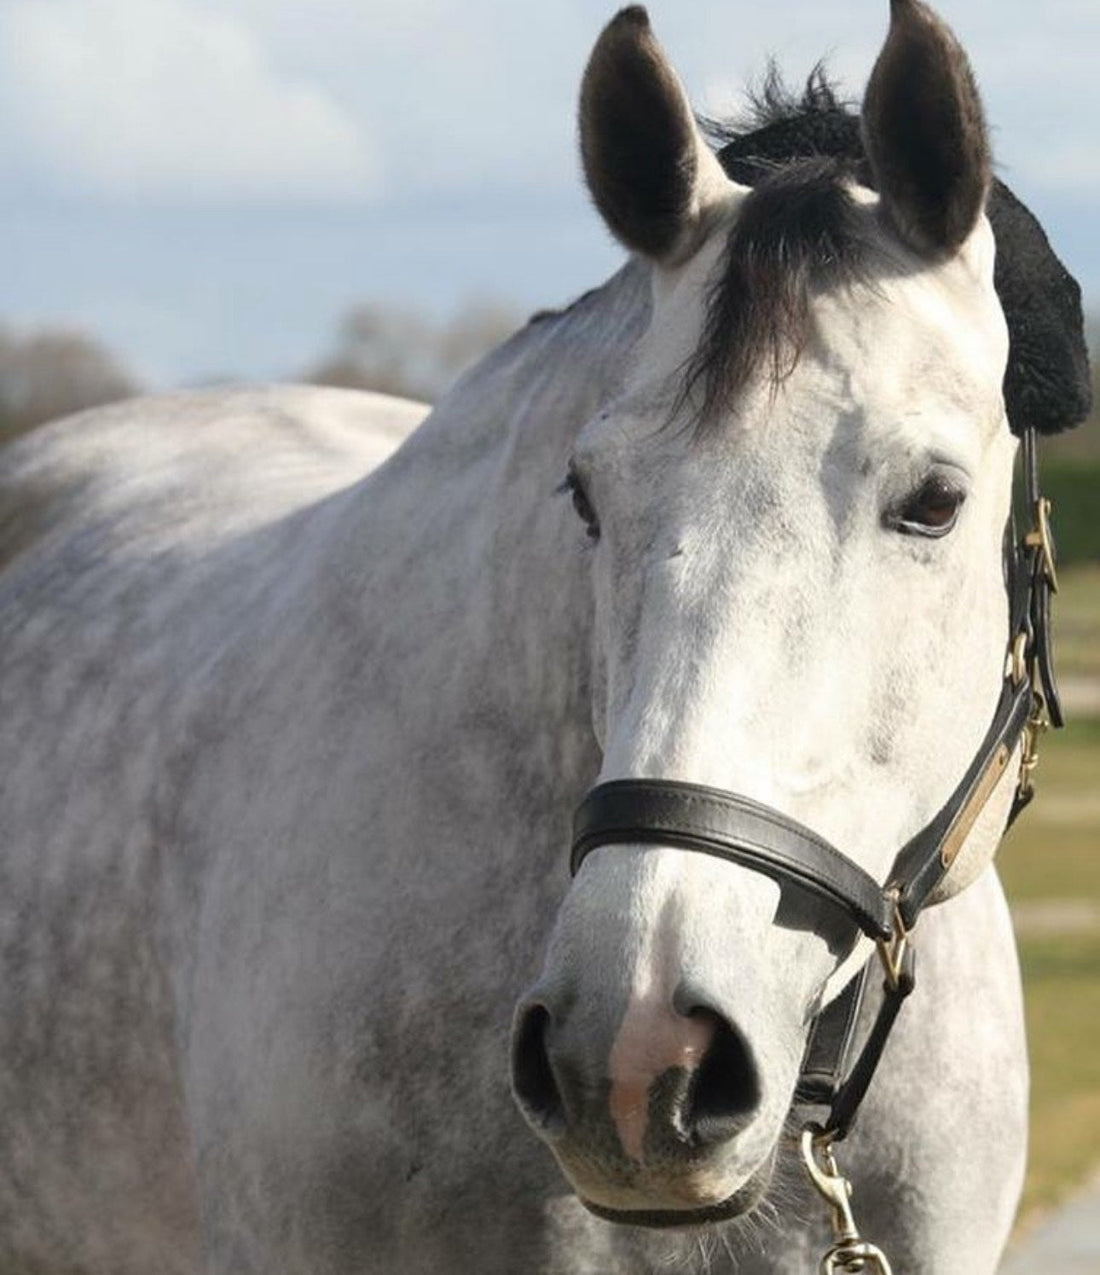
(1052, 858)
(1077, 621)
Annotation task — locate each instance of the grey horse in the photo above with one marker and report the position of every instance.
(298, 702)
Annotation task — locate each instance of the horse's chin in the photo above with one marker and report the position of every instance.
(742, 1201)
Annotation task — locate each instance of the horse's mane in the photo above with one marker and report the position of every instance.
(780, 124)
(798, 230)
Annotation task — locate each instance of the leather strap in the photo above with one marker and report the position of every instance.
(853, 1089)
(1039, 571)
(832, 1036)
(666, 812)
(927, 858)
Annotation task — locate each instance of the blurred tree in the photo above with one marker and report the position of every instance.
(47, 374)
(397, 351)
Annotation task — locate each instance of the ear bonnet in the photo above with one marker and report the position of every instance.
(1046, 385)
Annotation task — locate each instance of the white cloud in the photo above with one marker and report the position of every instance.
(164, 99)
(471, 100)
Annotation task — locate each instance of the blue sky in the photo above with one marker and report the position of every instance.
(208, 184)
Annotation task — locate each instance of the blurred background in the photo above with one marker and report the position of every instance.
(372, 192)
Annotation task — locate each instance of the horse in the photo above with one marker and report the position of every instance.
(301, 688)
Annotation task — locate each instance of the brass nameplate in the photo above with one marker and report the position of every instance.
(968, 815)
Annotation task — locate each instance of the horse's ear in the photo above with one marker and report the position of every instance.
(925, 134)
(650, 173)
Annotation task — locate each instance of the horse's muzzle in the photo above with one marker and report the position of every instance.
(646, 1126)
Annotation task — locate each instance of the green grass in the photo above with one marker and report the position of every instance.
(1054, 850)
(1062, 988)
(1074, 488)
(1077, 619)
(1053, 854)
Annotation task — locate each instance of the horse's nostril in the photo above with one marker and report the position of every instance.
(725, 1090)
(532, 1075)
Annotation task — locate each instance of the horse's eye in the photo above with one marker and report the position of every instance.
(932, 510)
(582, 504)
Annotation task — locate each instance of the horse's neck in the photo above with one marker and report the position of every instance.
(522, 405)
(470, 564)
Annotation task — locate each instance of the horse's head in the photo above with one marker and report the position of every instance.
(797, 505)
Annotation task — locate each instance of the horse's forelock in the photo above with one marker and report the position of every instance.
(799, 230)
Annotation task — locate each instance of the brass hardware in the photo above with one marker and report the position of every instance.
(1022, 657)
(892, 950)
(851, 1253)
(1018, 659)
(1038, 723)
(1040, 537)
(968, 815)
(850, 1259)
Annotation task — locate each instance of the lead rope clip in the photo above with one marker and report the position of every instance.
(851, 1254)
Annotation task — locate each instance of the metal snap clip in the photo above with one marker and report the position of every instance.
(851, 1254)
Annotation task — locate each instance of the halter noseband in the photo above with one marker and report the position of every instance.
(708, 820)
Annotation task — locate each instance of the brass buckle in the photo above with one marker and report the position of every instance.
(892, 950)
(1018, 658)
(851, 1253)
(1040, 537)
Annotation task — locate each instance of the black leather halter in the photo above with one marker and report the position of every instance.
(708, 820)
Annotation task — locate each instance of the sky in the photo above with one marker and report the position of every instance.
(207, 185)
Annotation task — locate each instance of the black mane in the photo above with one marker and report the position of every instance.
(799, 226)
